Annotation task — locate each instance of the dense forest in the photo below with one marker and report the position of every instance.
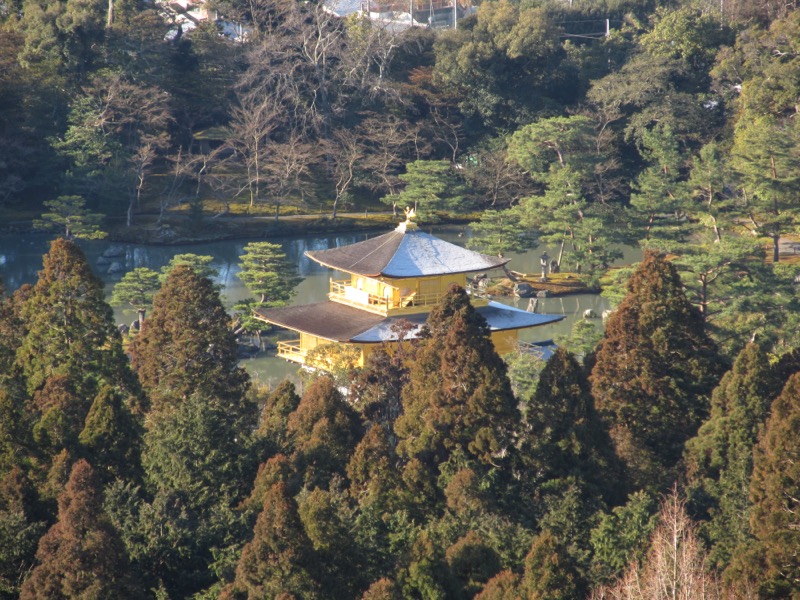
(659, 461)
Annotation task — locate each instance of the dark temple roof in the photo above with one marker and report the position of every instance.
(342, 323)
(405, 253)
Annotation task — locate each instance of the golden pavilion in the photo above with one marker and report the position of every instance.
(397, 276)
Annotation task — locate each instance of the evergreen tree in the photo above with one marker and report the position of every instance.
(565, 436)
(654, 372)
(186, 346)
(720, 458)
(472, 563)
(81, 556)
(267, 273)
(323, 432)
(111, 436)
(279, 559)
(371, 470)
(70, 214)
(774, 492)
(136, 289)
(69, 327)
(279, 404)
(10, 332)
(458, 395)
(549, 571)
(20, 530)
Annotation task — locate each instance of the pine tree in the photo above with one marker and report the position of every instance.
(136, 289)
(81, 556)
(458, 395)
(720, 458)
(775, 489)
(187, 347)
(654, 372)
(278, 560)
(267, 273)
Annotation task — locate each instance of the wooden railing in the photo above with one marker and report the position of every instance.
(291, 350)
(343, 292)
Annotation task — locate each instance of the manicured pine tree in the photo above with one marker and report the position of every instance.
(458, 395)
(774, 492)
(187, 347)
(136, 289)
(719, 459)
(279, 558)
(81, 556)
(654, 372)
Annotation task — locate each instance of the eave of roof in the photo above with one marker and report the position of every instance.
(341, 323)
(402, 254)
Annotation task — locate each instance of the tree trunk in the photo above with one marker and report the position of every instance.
(776, 248)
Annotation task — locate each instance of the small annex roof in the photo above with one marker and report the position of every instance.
(405, 252)
(341, 323)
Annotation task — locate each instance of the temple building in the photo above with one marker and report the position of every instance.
(397, 276)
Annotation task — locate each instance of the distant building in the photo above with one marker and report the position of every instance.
(397, 276)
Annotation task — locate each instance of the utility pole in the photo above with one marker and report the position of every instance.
(455, 14)
(110, 16)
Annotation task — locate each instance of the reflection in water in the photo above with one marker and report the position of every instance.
(21, 258)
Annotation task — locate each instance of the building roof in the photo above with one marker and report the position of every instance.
(342, 323)
(405, 252)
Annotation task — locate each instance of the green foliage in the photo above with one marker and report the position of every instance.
(774, 489)
(506, 66)
(323, 432)
(136, 289)
(187, 347)
(278, 560)
(654, 372)
(620, 538)
(267, 273)
(720, 458)
(564, 435)
(549, 572)
(200, 264)
(458, 395)
(70, 214)
(69, 327)
(278, 405)
(431, 187)
(498, 232)
(82, 541)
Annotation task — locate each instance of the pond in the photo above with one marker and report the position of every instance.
(21, 258)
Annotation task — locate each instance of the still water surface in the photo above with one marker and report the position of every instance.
(21, 258)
